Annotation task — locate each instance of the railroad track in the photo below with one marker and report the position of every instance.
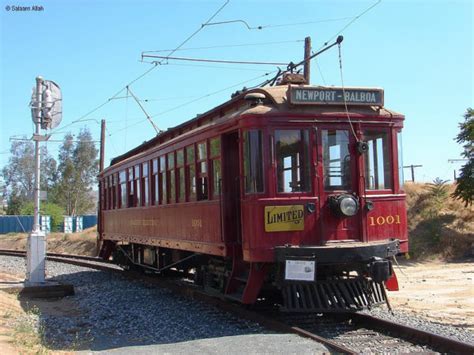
(344, 333)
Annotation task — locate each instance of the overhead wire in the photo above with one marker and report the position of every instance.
(260, 27)
(192, 101)
(150, 69)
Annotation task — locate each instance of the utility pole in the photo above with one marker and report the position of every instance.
(102, 145)
(307, 59)
(412, 168)
(101, 168)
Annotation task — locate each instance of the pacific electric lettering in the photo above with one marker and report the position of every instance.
(357, 96)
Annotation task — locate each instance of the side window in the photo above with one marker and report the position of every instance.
(336, 159)
(102, 194)
(215, 161)
(106, 193)
(145, 185)
(163, 179)
(130, 189)
(137, 188)
(123, 189)
(114, 191)
(202, 176)
(155, 186)
(378, 165)
(180, 175)
(191, 173)
(171, 179)
(292, 160)
(253, 161)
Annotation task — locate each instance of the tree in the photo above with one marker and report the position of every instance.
(46, 209)
(78, 168)
(19, 174)
(465, 184)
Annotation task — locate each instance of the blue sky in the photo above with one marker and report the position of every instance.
(420, 52)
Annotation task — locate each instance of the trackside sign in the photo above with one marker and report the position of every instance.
(335, 96)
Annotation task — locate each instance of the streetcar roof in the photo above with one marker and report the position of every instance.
(276, 100)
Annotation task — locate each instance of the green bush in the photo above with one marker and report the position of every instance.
(46, 209)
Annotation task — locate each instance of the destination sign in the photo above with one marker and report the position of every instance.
(335, 96)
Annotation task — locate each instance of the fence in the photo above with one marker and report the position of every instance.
(24, 224)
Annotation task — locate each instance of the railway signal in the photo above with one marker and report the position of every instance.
(46, 110)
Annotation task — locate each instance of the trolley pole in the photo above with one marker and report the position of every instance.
(36, 245)
(307, 63)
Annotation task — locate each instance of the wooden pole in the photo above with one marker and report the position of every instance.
(102, 145)
(307, 63)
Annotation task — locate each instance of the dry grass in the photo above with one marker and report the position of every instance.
(83, 243)
(438, 225)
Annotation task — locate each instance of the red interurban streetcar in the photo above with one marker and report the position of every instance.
(291, 193)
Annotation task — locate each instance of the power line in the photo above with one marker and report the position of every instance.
(353, 19)
(260, 27)
(150, 69)
(190, 102)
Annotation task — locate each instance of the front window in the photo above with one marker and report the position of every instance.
(337, 159)
(253, 161)
(377, 160)
(292, 155)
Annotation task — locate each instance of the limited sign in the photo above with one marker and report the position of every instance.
(300, 270)
(335, 96)
(284, 218)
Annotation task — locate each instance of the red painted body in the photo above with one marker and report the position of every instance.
(232, 225)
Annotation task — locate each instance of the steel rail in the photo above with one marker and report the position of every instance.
(188, 290)
(410, 333)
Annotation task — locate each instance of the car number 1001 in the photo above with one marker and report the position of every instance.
(381, 220)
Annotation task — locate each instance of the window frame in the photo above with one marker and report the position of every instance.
(188, 164)
(263, 134)
(309, 158)
(390, 155)
(212, 159)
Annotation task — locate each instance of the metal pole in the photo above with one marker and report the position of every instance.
(412, 173)
(36, 244)
(307, 63)
(36, 221)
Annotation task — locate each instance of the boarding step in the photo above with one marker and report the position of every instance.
(235, 297)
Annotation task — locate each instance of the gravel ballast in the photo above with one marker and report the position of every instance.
(111, 312)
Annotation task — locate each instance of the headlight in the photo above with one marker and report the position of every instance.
(344, 205)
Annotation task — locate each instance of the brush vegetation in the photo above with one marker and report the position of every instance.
(438, 224)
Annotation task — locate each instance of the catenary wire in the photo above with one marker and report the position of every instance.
(150, 69)
(192, 101)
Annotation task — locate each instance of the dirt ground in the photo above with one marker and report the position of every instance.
(83, 243)
(438, 291)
